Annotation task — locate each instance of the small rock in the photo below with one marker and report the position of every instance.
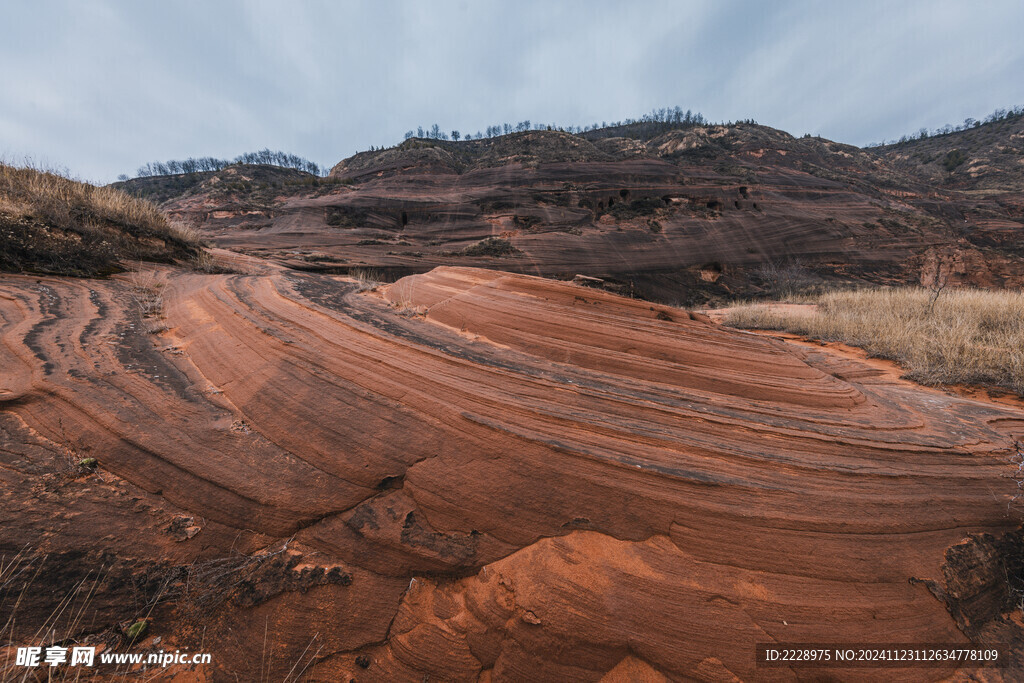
(530, 618)
(182, 528)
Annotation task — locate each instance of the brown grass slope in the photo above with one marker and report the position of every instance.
(51, 224)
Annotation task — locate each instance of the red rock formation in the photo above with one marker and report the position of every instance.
(656, 214)
(482, 475)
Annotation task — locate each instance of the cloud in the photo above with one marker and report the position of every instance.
(103, 87)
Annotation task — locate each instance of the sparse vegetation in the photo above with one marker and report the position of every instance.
(201, 164)
(998, 115)
(645, 206)
(345, 216)
(147, 291)
(400, 293)
(368, 279)
(990, 147)
(781, 280)
(964, 336)
(52, 224)
(492, 246)
(953, 159)
(654, 122)
(37, 612)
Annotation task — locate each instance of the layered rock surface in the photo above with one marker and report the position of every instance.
(480, 475)
(676, 215)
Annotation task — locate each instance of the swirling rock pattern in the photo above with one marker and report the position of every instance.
(478, 475)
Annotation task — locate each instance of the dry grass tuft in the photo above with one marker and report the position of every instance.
(400, 294)
(961, 336)
(368, 279)
(147, 289)
(52, 224)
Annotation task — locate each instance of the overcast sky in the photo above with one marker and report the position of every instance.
(101, 87)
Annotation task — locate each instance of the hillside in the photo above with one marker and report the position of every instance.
(50, 224)
(680, 215)
(983, 161)
(250, 182)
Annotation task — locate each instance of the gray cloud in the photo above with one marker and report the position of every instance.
(105, 86)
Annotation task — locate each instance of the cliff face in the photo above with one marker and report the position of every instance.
(683, 216)
(482, 474)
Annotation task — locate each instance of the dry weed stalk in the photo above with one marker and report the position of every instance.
(147, 290)
(401, 295)
(368, 279)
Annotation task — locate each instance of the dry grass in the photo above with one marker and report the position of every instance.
(68, 617)
(964, 336)
(223, 264)
(50, 223)
(147, 290)
(368, 279)
(401, 292)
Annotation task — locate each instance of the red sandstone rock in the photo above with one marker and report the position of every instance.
(481, 475)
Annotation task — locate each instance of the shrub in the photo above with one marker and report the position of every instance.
(953, 159)
(646, 206)
(346, 217)
(492, 246)
(786, 279)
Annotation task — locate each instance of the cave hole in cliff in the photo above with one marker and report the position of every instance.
(405, 219)
(600, 205)
(756, 207)
(743, 192)
(715, 205)
(624, 193)
(611, 202)
(667, 199)
(391, 482)
(736, 204)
